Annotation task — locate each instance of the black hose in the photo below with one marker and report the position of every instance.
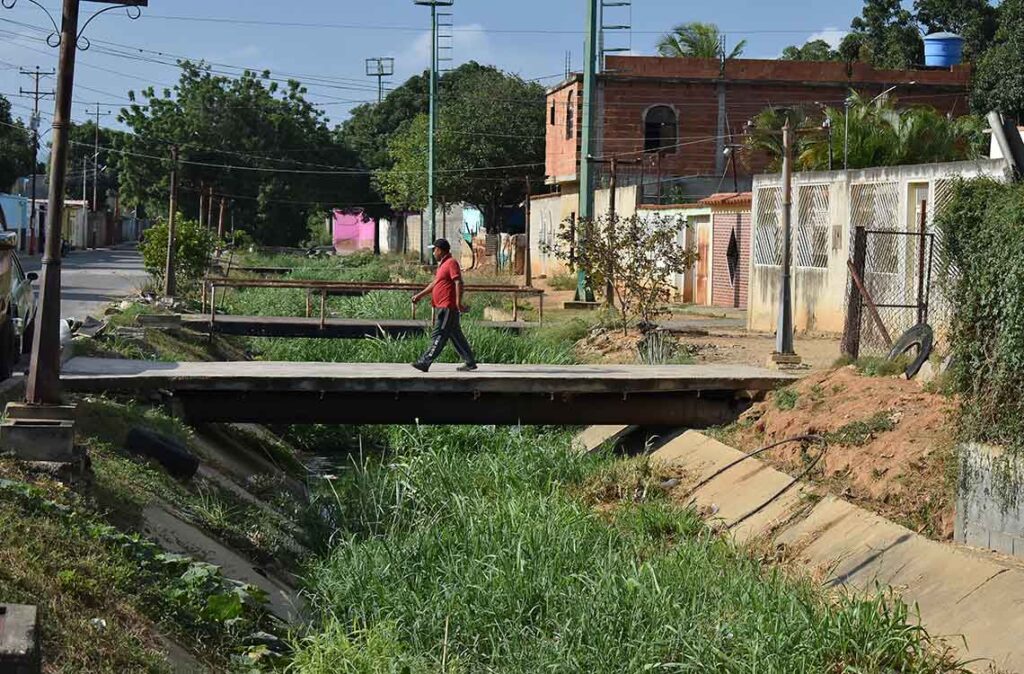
(799, 438)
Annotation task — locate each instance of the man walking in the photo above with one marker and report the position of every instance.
(446, 295)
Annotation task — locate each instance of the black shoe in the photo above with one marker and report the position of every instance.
(422, 367)
(468, 367)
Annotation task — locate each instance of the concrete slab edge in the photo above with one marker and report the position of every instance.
(971, 600)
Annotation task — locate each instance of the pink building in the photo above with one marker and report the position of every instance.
(352, 231)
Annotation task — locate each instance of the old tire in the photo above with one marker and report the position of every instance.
(168, 452)
(920, 336)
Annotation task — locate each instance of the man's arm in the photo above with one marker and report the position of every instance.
(423, 293)
(458, 294)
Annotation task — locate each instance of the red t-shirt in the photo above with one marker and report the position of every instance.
(443, 295)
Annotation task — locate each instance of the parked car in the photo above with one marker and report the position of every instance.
(17, 305)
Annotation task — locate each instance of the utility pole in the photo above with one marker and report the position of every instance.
(380, 67)
(209, 207)
(220, 221)
(170, 282)
(784, 352)
(609, 282)
(587, 146)
(96, 160)
(432, 122)
(43, 385)
(202, 201)
(37, 75)
(528, 262)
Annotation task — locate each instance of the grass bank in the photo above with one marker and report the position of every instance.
(468, 550)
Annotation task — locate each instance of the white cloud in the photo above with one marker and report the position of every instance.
(831, 35)
(470, 44)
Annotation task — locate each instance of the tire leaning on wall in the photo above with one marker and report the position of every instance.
(920, 336)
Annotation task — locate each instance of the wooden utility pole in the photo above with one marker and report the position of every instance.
(35, 233)
(209, 207)
(202, 201)
(170, 282)
(220, 220)
(528, 262)
(96, 160)
(613, 186)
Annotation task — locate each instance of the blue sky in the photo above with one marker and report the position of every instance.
(528, 37)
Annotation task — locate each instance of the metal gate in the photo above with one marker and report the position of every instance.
(890, 287)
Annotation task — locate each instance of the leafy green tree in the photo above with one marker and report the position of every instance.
(258, 142)
(15, 147)
(697, 40)
(489, 140)
(814, 50)
(999, 76)
(369, 129)
(885, 35)
(193, 247)
(974, 20)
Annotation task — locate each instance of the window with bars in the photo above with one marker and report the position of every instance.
(767, 234)
(813, 225)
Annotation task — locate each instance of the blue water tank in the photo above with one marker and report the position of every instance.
(942, 50)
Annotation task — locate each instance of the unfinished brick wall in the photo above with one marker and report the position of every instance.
(633, 85)
(562, 147)
(729, 287)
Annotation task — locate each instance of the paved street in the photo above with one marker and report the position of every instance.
(91, 279)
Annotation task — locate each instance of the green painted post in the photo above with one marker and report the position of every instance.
(584, 293)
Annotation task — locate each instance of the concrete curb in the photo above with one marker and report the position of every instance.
(962, 594)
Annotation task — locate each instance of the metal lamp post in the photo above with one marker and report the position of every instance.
(43, 385)
(432, 123)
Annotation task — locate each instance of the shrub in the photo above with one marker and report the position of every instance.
(983, 268)
(193, 247)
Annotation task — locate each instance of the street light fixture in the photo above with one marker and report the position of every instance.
(431, 159)
(43, 384)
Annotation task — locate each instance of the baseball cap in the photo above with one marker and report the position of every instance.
(443, 245)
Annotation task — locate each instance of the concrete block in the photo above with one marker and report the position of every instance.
(25, 412)
(594, 437)
(39, 440)
(990, 500)
(19, 639)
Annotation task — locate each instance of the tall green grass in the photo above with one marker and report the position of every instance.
(465, 550)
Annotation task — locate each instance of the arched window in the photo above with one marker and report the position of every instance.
(570, 116)
(661, 129)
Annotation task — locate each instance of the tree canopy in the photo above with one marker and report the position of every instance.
(999, 76)
(80, 158)
(813, 50)
(260, 144)
(490, 138)
(697, 40)
(15, 147)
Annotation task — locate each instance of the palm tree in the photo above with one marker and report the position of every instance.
(879, 134)
(697, 40)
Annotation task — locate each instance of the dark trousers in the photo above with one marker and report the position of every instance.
(448, 326)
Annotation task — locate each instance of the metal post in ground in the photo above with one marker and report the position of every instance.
(609, 282)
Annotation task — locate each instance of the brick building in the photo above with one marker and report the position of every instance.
(689, 110)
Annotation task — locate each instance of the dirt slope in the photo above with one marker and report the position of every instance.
(889, 449)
